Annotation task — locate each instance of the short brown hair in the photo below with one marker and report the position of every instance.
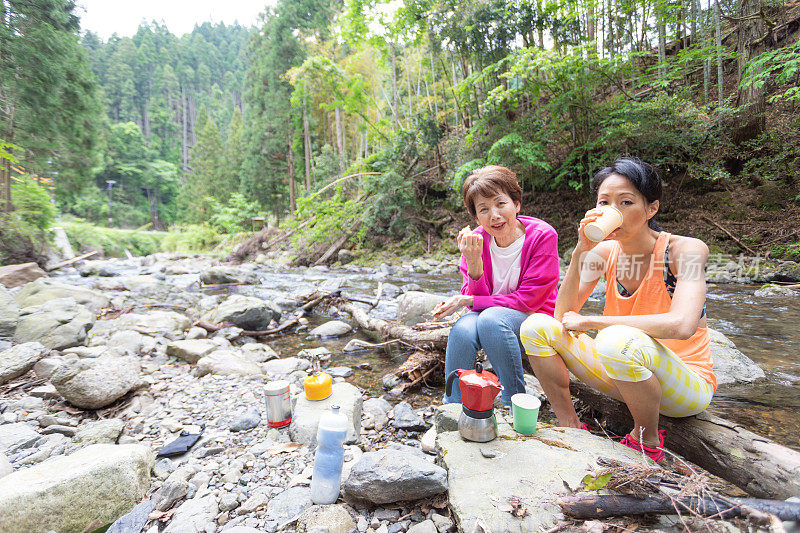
(488, 182)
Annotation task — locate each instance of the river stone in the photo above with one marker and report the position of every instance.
(533, 469)
(247, 420)
(57, 324)
(174, 488)
(258, 353)
(332, 328)
(96, 383)
(305, 417)
(246, 312)
(388, 476)
(153, 323)
(730, 365)
(227, 363)
(770, 289)
(44, 290)
(415, 306)
(337, 518)
(191, 350)
(426, 526)
(79, 492)
(194, 515)
(340, 371)
(377, 409)
(5, 466)
(786, 271)
(98, 432)
(16, 275)
(225, 274)
(289, 504)
(406, 418)
(9, 313)
(19, 359)
(135, 520)
(285, 366)
(127, 342)
(17, 435)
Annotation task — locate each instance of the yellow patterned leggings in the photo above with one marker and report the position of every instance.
(619, 353)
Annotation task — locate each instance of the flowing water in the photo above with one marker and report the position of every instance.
(765, 329)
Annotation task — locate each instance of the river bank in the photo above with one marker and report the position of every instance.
(242, 472)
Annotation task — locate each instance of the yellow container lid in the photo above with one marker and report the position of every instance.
(318, 387)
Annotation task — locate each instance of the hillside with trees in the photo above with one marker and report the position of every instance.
(400, 105)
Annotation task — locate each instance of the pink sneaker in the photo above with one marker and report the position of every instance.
(656, 454)
(584, 426)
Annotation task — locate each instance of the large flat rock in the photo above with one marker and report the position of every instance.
(731, 366)
(58, 324)
(43, 290)
(9, 313)
(305, 417)
(15, 275)
(78, 492)
(152, 323)
(532, 469)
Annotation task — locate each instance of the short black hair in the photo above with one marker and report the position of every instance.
(643, 176)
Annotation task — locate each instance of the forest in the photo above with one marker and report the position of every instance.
(394, 103)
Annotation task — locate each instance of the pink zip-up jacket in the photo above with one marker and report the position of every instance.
(538, 278)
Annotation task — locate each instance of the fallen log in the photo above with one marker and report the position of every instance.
(590, 506)
(69, 262)
(758, 465)
(437, 338)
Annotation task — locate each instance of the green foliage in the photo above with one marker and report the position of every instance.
(20, 242)
(191, 238)
(596, 482)
(776, 67)
(33, 204)
(529, 156)
(464, 171)
(112, 241)
(234, 216)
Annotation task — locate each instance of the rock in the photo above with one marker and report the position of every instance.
(442, 523)
(289, 504)
(561, 455)
(16, 436)
(80, 492)
(227, 363)
(406, 418)
(153, 324)
(355, 345)
(229, 333)
(5, 466)
(98, 432)
(730, 365)
(174, 488)
(247, 420)
(332, 328)
(246, 312)
(17, 275)
(60, 323)
(319, 353)
(414, 306)
(390, 381)
(196, 332)
(44, 290)
(285, 366)
(19, 359)
(388, 476)
(345, 256)
(340, 371)
(96, 383)
(786, 271)
(45, 367)
(258, 353)
(194, 515)
(223, 274)
(426, 526)
(128, 342)
(9, 313)
(446, 417)
(305, 417)
(428, 441)
(191, 350)
(135, 520)
(337, 518)
(770, 289)
(67, 431)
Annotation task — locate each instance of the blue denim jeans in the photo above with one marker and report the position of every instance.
(496, 330)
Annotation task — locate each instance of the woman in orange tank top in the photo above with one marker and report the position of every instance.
(652, 347)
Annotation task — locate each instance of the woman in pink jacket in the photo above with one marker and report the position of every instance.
(509, 266)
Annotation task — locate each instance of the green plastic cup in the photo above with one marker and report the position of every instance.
(525, 410)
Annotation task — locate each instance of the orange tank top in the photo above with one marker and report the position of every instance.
(652, 298)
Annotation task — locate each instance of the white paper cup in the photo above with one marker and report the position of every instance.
(608, 221)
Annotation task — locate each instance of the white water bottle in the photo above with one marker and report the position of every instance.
(329, 457)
